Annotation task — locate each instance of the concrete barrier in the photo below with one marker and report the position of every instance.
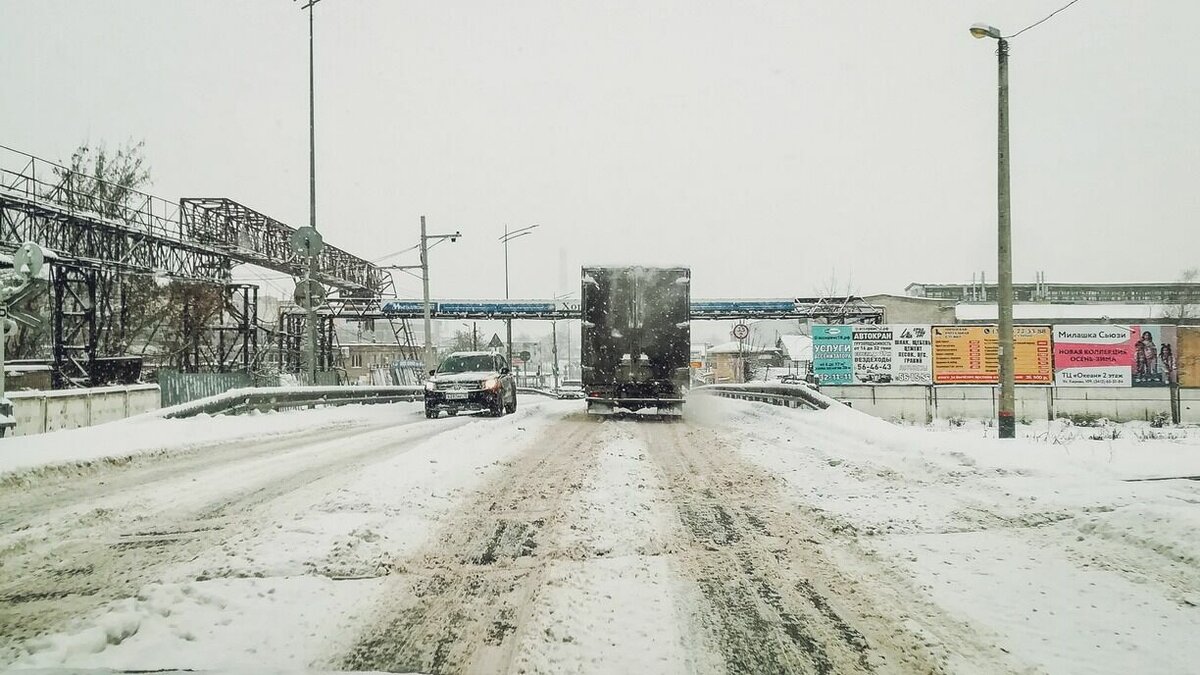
(38, 412)
(923, 403)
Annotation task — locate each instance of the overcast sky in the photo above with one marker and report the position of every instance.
(771, 146)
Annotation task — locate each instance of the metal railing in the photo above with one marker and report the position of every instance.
(283, 398)
(251, 399)
(52, 185)
(537, 390)
(787, 395)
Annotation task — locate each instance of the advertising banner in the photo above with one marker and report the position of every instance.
(872, 350)
(912, 355)
(1115, 356)
(892, 354)
(965, 355)
(833, 360)
(971, 355)
(1188, 366)
(1033, 355)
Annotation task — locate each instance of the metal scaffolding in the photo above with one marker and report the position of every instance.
(98, 234)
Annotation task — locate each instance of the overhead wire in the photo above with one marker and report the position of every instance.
(1038, 23)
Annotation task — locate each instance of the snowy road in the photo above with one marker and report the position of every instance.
(744, 538)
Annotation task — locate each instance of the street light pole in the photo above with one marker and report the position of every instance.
(425, 293)
(1006, 422)
(505, 238)
(424, 246)
(310, 261)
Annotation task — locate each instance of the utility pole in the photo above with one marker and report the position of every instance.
(429, 365)
(430, 361)
(554, 349)
(424, 246)
(1007, 422)
(507, 237)
(569, 329)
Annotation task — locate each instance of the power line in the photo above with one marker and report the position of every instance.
(1048, 17)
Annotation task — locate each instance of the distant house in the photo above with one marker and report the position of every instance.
(734, 361)
(798, 352)
(374, 362)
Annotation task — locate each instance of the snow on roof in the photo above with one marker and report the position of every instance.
(797, 347)
(1052, 312)
(736, 347)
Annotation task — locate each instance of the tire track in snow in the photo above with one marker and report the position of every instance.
(456, 606)
(773, 601)
(74, 567)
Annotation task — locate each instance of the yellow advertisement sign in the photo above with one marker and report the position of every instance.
(1034, 355)
(1188, 341)
(970, 355)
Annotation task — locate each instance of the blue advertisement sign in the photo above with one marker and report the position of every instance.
(833, 356)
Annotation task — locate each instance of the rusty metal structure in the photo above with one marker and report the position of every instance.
(100, 233)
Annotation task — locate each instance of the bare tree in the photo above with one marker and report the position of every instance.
(98, 180)
(1183, 306)
(462, 341)
(834, 287)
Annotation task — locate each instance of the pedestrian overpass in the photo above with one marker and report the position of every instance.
(849, 309)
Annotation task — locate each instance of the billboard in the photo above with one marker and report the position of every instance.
(872, 354)
(1115, 356)
(1034, 355)
(833, 360)
(892, 354)
(971, 355)
(1188, 357)
(965, 355)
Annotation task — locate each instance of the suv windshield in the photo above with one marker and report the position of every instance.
(466, 364)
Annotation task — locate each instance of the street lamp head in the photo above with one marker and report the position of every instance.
(982, 30)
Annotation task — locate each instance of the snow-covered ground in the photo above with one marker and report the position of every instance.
(1044, 542)
(745, 538)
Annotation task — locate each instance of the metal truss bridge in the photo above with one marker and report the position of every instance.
(97, 234)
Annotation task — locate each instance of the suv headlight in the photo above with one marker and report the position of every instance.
(430, 385)
(491, 383)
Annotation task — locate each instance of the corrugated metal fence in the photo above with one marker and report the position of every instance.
(178, 387)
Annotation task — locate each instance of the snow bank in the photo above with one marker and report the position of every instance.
(122, 440)
(1042, 541)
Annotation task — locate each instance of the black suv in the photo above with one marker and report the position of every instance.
(470, 381)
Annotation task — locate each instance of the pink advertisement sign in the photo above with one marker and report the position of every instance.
(1114, 356)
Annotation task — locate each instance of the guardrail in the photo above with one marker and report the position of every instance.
(239, 401)
(537, 390)
(787, 395)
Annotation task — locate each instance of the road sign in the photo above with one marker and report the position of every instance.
(495, 342)
(741, 331)
(307, 242)
(525, 355)
(28, 259)
(306, 288)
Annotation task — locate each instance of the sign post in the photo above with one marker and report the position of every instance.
(27, 262)
(307, 242)
(740, 332)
